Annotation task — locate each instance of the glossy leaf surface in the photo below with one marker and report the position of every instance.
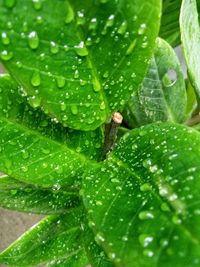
(190, 36)
(77, 63)
(162, 95)
(55, 237)
(143, 202)
(15, 107)
(19, 196)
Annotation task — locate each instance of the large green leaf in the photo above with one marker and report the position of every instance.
(76, 58)
(54, 238)
(19, 196)
(14, 107)
(143, 201)
(162, 95)
(190, 36)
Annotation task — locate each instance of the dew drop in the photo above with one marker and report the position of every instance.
(145, 187)
(34, 101)
(80, 18)
(93, 24)
(37, 4)
(145, 240)
(33, 40)
(5, 39)
(102, 105)
(74, 109)
(6, 55)
(142, 29)
(54, 48)
(63, 106)
(35, 80)
(81, 50)
(96, 85)
(60, 81)
(70, 14)
(10, 3)
(145, 215)
(122, 28)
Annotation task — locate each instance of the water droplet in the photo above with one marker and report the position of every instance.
(93, 24)
(122, 28)
(102, 105)
(148, 253)
(45, 151)
(170, 78)
(37, 4)
(33, 40)
(125, 238)
(6, 55)
(70, 14)
(81, 49)
(10, 3)
(25, 154)
(35, 80)
(145, 187)
(99, 238)
(54, 48)
(80, 18)
(34, 101)
(96, 84)
(24, 168)
(76, 74)
(131, 47)
(145, 240)
(74, 109)
(145, 215)
(5, 39)
(63, 106)
(142, 29)
(60, 81)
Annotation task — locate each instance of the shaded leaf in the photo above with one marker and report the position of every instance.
(77, 63)
(19, 196)
(144, 200)
(190, 36)
(162, 95)
(13, 106)
(55, 237)
(169, 29)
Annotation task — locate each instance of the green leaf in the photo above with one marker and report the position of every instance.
(191, 99)
(190, 36)
(77, 63)
(162, 95)
(169, 29)
(19, 196)
(95, 254)
(14, 107)
(38, 151)
(76, 260)
(54, 238)
(143, 201)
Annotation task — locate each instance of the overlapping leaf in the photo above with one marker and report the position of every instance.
(143, 202)
(76, 58)
(190, 36)
(36, 150)
(162, 95)
(54, 238)
(19, 196)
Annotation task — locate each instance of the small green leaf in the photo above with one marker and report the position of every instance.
(143, 201)
(162, 95)
(54, 238)
(190, 36)
(19, 196)
(75, 59)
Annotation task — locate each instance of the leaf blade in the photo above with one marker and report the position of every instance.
(80, 111)
(141, 190)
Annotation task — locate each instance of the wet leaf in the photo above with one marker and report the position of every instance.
(77, 63)
(143, 201)
(20, 196)
(162, 95)
(36, 151)
(95, 254)
(54, 238)
(190, 36)
(15, 107)
(78, 259)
